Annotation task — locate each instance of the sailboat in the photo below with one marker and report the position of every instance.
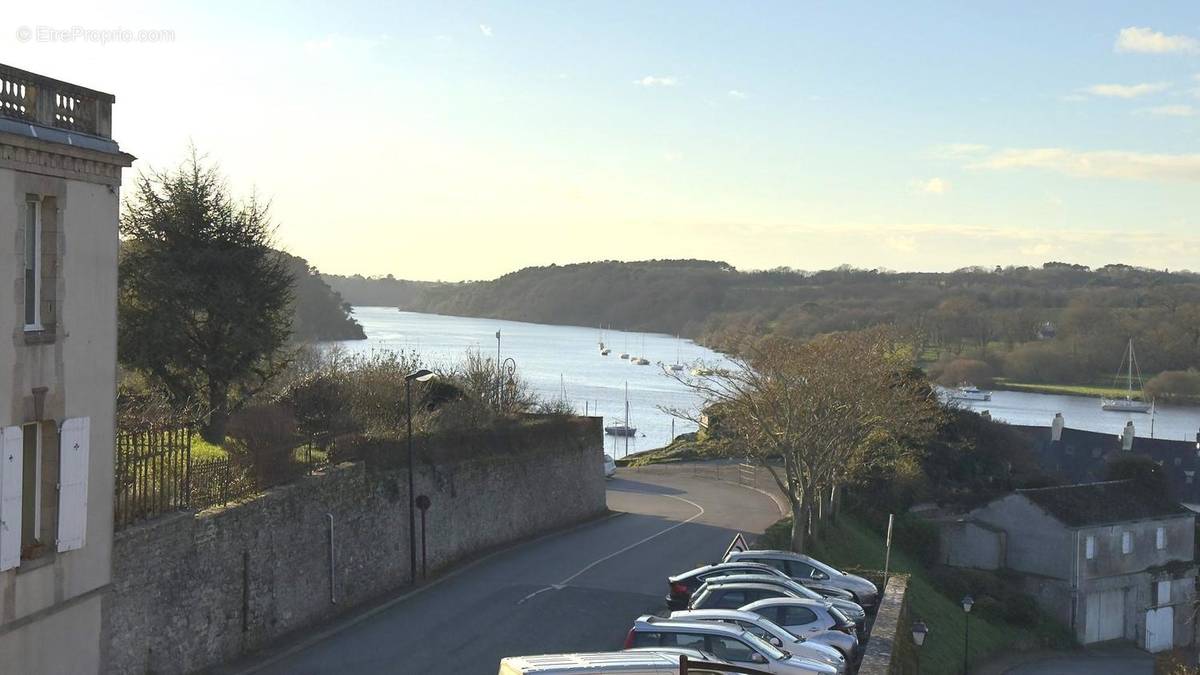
(1128, 404)
(625, 354)
(604, 351)
(622, 428)
(640, 360)
(678, 365)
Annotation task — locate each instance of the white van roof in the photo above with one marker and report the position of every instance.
(588, 664)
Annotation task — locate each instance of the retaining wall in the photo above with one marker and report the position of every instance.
(195, 590)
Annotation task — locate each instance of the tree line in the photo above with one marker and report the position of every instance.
(1055, 323)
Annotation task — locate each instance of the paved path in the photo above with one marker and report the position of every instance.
(1111, 659)
(578, 591)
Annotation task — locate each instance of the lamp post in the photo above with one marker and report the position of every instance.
(420, 375)
(919, 631)
(967, 603)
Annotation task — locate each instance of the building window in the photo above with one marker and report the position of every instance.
(1126, 542)
(1160, 538)
(33, 264)
(39, 483)
(1163, 589)
(1089, 547)
(1188, 476)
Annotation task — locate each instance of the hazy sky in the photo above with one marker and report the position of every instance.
(463, 140)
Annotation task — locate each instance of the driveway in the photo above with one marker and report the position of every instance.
(1114, 659)
(577, 591)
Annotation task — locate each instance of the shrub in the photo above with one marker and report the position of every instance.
(917, 537)
(264, 439)
(1176, 386)
(1041, 362)
(966, 370)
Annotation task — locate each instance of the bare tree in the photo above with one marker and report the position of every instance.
(819, 413)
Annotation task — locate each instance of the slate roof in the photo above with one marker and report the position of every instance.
(1092, 504)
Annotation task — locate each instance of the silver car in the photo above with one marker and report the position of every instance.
(727, 642)
(809, 618)
(810, 648)
(848, 607)
(808, 570)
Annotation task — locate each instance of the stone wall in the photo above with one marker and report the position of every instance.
(889, 649)
(195, 590)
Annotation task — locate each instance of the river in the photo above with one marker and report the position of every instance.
(565, 359)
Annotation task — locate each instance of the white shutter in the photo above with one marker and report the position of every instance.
(12, 450)
(73, 483)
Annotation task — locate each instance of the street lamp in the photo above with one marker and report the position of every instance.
(420, 375)
(967, 603)
(919, 631)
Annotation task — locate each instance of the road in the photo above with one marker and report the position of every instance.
(575, 591)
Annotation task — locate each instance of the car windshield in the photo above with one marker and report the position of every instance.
(763, 646)
(827, 569)
(802, 590)
(839, 616)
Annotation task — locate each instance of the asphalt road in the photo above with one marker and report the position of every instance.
(576, 591)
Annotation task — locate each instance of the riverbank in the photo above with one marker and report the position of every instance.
(1091, 390)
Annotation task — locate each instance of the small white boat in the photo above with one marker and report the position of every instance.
(640, 361)
(1128, 404)
(625, 355)
(969, 392)
(677, 367)
(701, 372)
(623, 428)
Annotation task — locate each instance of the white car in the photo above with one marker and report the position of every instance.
(809, 570)
(610, 466)
(631, 662)
(776, 635)
(807, 618)
(728, 642)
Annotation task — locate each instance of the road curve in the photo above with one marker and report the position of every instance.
(576, 591)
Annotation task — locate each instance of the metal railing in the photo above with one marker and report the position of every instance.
(152, 473)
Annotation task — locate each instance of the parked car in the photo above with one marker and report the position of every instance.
(719, 595)
(730, 643)
(631, 662)
(810, 618)
(776, 635)
(808, 570)
(610, 466)
(848, 607)
(681, 586)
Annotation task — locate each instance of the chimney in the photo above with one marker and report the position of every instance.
(1127, 437)
(1056, 427)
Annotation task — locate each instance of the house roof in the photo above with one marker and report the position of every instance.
(1090, 504)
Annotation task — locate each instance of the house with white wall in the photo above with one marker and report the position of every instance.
(1112, 560)
(60, 172)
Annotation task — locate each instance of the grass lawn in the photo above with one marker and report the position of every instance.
(850, 544)
(202, 449)
(1071, 389)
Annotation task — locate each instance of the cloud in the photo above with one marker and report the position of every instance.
(1172, 111)
(657, 81)
(734, 93)
(933, 186)
(1127, 90)
(1097, 164)
(1145, 41)
(485, 29)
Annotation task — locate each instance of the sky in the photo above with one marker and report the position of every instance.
(453, 140)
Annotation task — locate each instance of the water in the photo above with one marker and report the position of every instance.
(557, 358)
(1178, 423)
(553, 359)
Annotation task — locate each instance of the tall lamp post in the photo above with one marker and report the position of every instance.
(967, 603)
(919, 631)
(421, 375)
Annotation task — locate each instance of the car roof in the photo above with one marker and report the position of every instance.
(649, 623)
(676, 651)
(742, 584)
(773, 602)
(722, 613)
(768, 553)
(724, 565)
(769, 579)
(598, 661)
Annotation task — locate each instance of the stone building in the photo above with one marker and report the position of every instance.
(1112, 560)
(59, 176)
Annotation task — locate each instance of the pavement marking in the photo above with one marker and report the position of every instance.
(363, 616)
(562, 584)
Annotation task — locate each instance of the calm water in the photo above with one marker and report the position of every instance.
(554, 359)
(1080, 412)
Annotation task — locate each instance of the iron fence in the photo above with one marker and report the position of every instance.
(218, 481)
(152, 473)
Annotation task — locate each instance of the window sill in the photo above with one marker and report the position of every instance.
(44, 558)
(42, 336)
